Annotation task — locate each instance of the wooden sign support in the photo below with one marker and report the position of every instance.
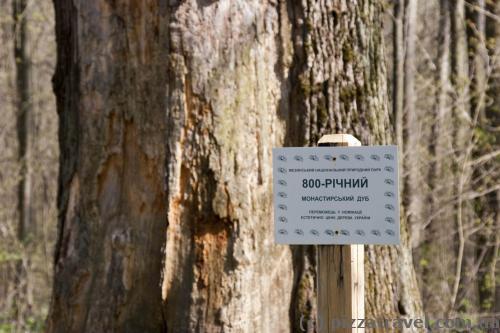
(341, 273)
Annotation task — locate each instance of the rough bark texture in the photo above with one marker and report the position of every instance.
(223, 272)
(338, 84)
(199, 92)
(112, 202)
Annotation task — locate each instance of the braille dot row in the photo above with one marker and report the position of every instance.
(344, 157)
(332, 233)
(284, 219)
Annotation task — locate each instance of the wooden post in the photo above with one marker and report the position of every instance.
(341, 273)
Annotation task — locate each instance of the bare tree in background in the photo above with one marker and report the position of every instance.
(458, 143)
(439, 243)
(28, 163)
(24, 131)
(462, 137)
(493, 289)
(485, 45)
(398, 92)
(411, 127)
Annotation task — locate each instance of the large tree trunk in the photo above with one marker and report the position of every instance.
(110, 83)
(199, 92)
(222, 270)
(345, 91)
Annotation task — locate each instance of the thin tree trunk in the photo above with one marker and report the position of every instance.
(24, 118)
(495, 114)
(24, 132)
(495, 266)
(398, 91)
(412, 140)
(490, 286)
(398, 74)
(438, 258)
(479, 58)
(478, 67)
(462, 136)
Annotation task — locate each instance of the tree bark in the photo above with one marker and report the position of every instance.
(412, 133)
(480, 59)
(24, 117)
(438, 258)
(194, 94)
(225, 85)
(345, 91)
(24, 126)
(110, 86)
(398, 75)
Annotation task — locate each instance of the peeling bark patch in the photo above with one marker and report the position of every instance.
(67, 240)
(211, 239)
(109, 187)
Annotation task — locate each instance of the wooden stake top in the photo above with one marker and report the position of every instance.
(342, 139)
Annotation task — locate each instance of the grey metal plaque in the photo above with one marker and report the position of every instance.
(336, 195)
